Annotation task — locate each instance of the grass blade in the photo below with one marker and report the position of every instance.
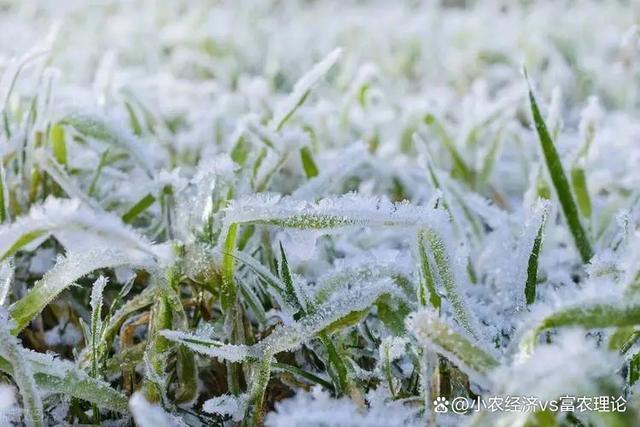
(460, 168)
(532, 265)
(588, 316)
(560, 183)
(430, 330)
(308, 164)
(12, 351)
(427, 285)
(65, 273)
(138, 208)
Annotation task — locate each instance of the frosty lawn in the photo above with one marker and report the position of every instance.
(318, 213)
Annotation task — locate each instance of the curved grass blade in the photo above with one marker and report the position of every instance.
(588, 316)
(63, 274)
(138, 208)
(330, 214)
(301, 90)
(95, 126)
(432, 331)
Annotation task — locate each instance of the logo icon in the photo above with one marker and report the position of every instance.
(441, 405)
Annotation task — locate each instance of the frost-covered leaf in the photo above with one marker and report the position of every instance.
(233, 406)
(96, 126)
(7, 271)
(288, 106)
(66, 271)
(587, 314)
(14, 353)
(77, 227)
(561, 184)
(463, 350)
(327, 214)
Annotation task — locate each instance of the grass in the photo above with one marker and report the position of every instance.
(234, 221)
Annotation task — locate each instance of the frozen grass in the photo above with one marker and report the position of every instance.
(317, 213)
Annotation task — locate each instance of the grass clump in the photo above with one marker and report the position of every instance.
(226, 219)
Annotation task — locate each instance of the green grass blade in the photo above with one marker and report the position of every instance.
(456, 299)
(579, 183)
(588, 316)
(337, 366)
(58, 144)
(259, 382)
(240, 150)
(22, 241)
(308, 164)
(427, 285)
(138, 208)
(460, 168)
(313, 378)
(62, 275)
(289, 288)
(61, 377)
(561, 184)
(4, 195)
(228, 291)
(186, 369)
(301, 90)
(97, 127)
(14, 353)
(430, 330)
(532, 265)
(157, 349)
(490, 158)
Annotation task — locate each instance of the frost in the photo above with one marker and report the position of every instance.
(67, 335)
(349, 163)
(65, 273)
(77, 227)
(96, 126)
(453, 343)
(217, 349)
(302, 88)
(96, 292)
(391, 349)
(330, 213)
(171, 149)
(233, 406)
(13, 352)
(589, 118)
(10, 412)
(7, 271)
(360, 297)
(146, 414)
(311, 409)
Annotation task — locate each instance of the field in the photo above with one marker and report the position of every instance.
(319, 213)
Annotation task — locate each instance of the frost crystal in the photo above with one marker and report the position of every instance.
(234, 406)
